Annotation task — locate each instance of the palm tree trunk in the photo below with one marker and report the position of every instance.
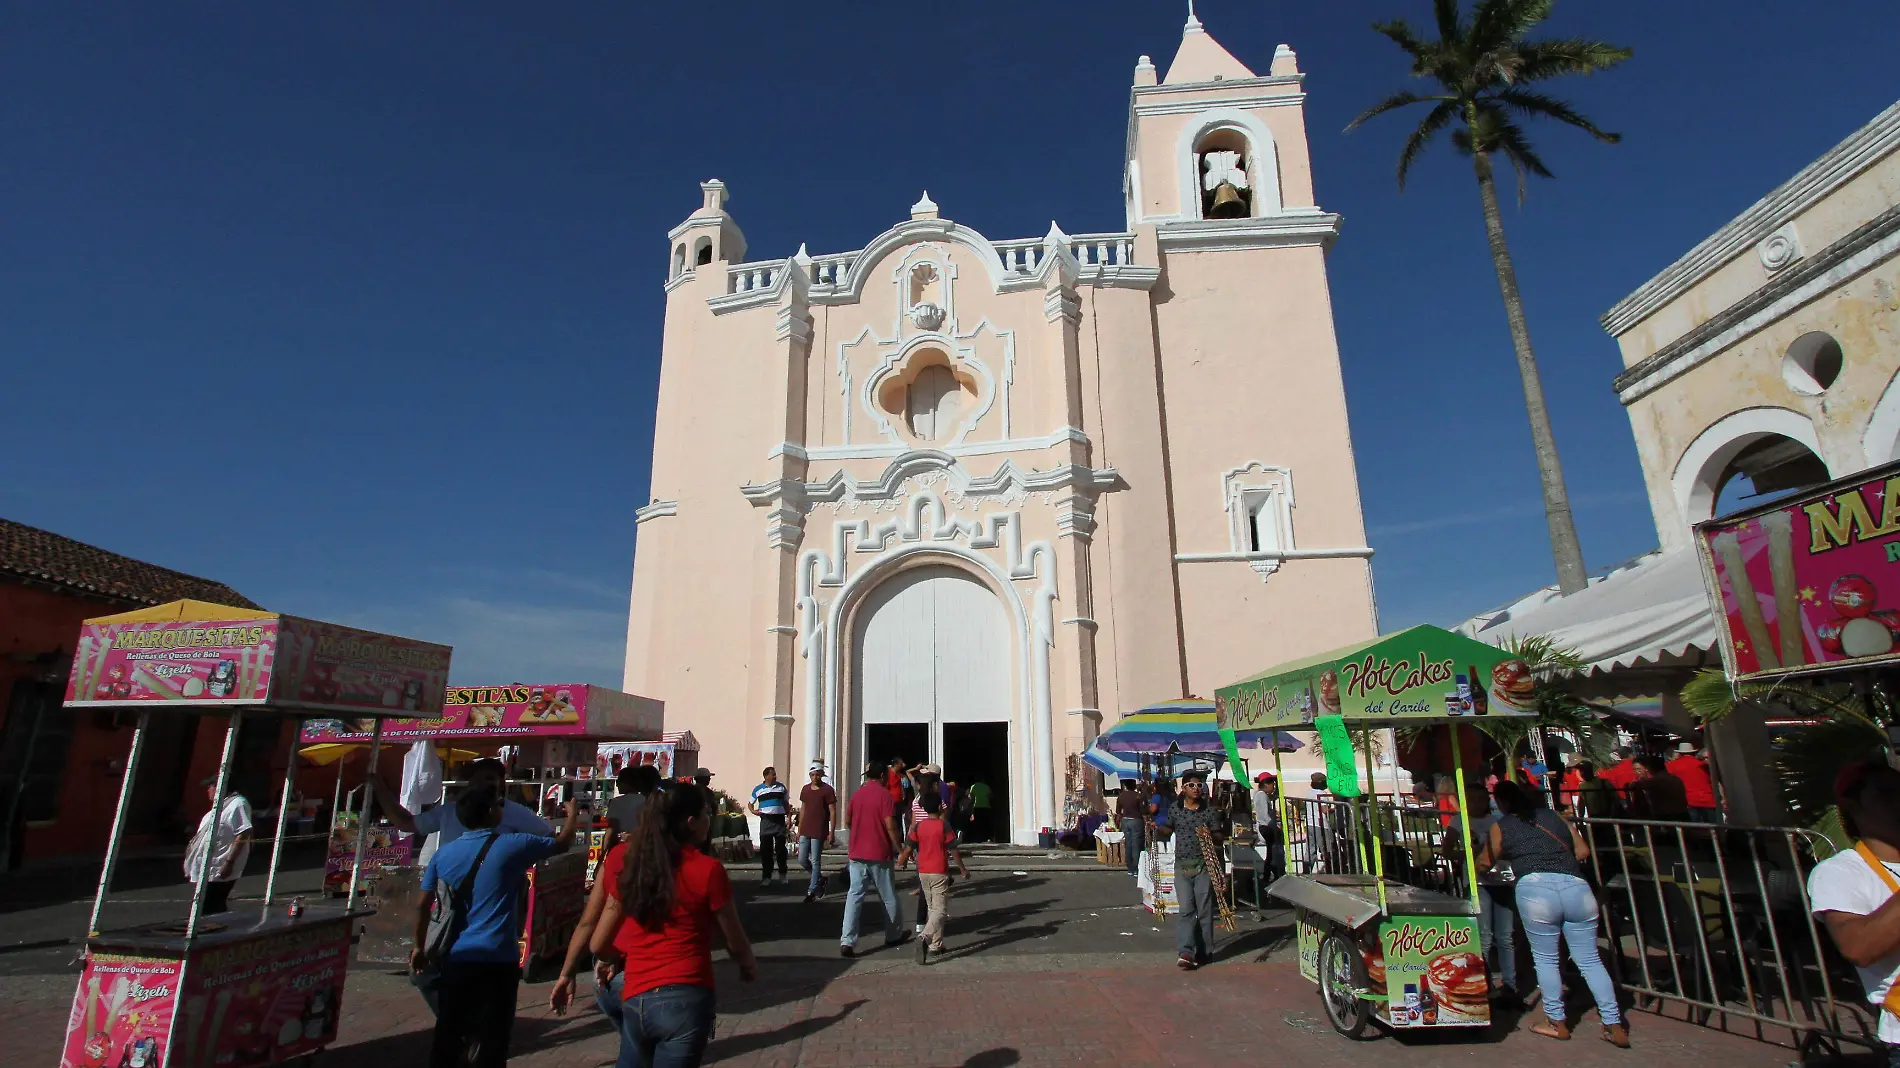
(1571, 576)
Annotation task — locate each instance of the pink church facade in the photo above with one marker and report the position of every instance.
(966, 500)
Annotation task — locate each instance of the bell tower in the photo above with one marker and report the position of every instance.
(1212, 140)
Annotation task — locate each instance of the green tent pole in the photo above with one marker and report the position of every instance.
(1464, 811)
(1372, 803)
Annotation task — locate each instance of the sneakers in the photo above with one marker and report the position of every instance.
(847, 952)
(810, 897)
(1187, 963)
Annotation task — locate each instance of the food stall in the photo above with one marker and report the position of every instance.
(1386, 934)
(254, 985)
(554, 732)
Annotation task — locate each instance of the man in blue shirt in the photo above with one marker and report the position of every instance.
(441, 820)
(772, 803)
(480, 973)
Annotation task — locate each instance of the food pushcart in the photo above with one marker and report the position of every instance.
(1400, 946)
(555, 730)
(253, 986)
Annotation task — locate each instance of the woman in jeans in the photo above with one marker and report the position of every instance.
(664, 899)
(1553, 902)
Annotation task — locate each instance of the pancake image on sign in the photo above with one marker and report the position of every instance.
(1514, 685)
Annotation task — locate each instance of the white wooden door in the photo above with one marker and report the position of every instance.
(932, 646)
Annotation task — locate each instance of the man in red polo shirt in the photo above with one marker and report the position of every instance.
(872, 838)
(1696, 784)
(1620, 774)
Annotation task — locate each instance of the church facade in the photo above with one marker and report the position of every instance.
(966, 500)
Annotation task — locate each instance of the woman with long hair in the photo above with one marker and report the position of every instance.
(1553, 903)
(665, 897)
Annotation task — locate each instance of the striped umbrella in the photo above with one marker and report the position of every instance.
(1183, 728)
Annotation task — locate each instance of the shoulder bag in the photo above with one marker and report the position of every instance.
(450, 914)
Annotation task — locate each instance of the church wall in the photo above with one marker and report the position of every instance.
(1241, 333)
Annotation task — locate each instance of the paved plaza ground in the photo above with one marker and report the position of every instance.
(1046, 967)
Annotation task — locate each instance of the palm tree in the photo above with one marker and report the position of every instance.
(1844, 724)
(1482, 68)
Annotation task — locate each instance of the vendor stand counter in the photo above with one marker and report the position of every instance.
(1379, 948)
(261, 984)
(558, 731)
(254, 987)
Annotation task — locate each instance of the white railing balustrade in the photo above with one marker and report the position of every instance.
(1023, 257)
(752, 277)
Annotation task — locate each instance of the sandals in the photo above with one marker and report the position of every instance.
(1550, 1028)
(1617, 1035)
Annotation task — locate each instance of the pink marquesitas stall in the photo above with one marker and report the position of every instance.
(251, 986)
(556, 729)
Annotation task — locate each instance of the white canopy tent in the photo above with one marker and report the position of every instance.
(1646, 613)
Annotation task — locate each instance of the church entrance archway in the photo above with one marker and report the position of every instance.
(931, 678)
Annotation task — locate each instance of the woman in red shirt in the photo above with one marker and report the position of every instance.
(664, 898)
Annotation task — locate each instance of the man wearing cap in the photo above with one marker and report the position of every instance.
(1266, 826)
(1193, 884)
(817, 828)
(225, 832)
(1698, 789)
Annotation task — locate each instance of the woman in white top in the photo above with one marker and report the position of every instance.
(1855, 891)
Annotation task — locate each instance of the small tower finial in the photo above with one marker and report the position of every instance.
(1192, 22)
(925, 208)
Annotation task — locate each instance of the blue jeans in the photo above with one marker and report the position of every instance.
(667, 1027)
(811, 854)
(607, 1000)
(1497, 930)
(1131, 844)
(1554, 906)
(864, 875)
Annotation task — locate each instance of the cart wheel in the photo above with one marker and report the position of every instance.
(1345, 1010)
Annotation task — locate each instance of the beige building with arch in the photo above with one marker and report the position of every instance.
(1770, 350)
(966, 499)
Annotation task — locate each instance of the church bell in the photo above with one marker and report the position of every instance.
(1227, 203)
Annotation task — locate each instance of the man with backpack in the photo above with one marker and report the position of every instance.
(468, 922)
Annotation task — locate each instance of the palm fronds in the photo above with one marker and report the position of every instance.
(1481, 66)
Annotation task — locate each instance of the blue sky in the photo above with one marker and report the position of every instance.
(357, 306)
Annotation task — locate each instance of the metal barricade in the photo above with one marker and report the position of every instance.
(1715, 919)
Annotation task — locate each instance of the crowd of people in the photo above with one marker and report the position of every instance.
(660, 897)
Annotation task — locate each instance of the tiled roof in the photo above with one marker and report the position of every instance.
(42, 556)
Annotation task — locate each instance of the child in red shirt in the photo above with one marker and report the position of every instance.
(934, 845)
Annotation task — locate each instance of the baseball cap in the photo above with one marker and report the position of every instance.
(1265, 776)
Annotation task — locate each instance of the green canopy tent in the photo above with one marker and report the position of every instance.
(1421, 673)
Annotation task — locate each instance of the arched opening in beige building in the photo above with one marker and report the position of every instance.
(932, 668)
(1747, 458)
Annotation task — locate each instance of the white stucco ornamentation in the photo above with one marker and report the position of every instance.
(1779, 249)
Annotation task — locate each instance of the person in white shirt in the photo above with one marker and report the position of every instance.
(225, 831)
(441, 820)
(1856, 892)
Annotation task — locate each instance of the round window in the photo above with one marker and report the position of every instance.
(1812, 364)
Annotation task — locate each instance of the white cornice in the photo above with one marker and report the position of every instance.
(1007, 478)
(1060, 436)
(1810, 279)
(656, 510)
(1194, 107)
(1355, 551)
(1263, 82)
(1312, 227)
(1840, 165)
